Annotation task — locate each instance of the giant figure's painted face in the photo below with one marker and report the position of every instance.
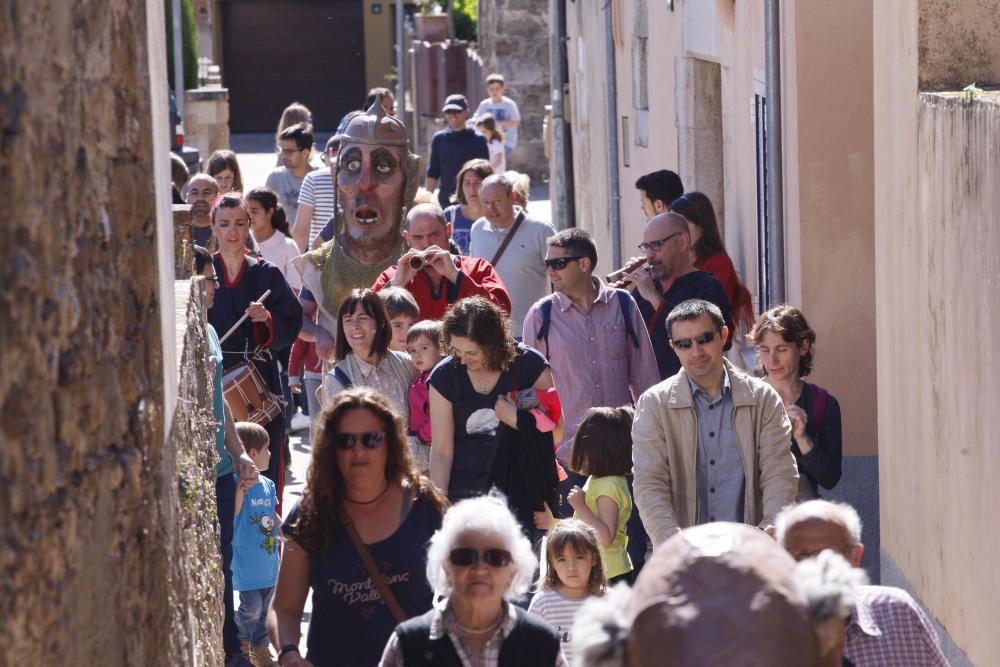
(376, 175)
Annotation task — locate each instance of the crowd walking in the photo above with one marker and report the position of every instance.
(513, 460)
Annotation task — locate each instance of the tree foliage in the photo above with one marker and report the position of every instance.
(189, 43)
(466, 20)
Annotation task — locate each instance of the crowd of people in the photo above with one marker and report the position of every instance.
(513, 460)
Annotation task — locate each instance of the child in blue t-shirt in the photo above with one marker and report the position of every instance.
(255, 547)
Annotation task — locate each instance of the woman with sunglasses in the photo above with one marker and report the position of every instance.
(362, 353)
(480, 437)
(710, 253)
(361, 478)
(479, 562)
(785, 351)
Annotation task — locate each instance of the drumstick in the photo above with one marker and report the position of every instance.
(229, 333)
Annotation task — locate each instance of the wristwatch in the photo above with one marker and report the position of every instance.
(287, 648)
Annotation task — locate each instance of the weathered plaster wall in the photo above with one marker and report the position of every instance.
(936, 310)
(514, 41)
(937, 430)
(90, 562)
(958, 43)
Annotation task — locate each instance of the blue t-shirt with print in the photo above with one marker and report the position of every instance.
(255, 539)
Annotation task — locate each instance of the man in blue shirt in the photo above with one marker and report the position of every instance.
(452, 147)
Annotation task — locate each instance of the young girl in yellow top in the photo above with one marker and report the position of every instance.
(602, 450)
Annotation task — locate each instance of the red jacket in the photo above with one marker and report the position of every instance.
(476, 277)
(303, 354)
(740, 302)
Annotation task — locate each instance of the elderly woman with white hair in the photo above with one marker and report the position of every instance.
(478, 562)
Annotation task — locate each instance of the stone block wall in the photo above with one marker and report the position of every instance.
(90, 566)
(514, 41)
(206, 119)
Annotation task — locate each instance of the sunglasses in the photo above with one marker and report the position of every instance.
(467, 556)
(656, 245)
(701, 339)
(369, 440)
(559, 263)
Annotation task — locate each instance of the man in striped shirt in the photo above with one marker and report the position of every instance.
(315, 201)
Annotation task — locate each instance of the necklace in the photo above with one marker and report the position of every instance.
(484, 631)
(480, 386)
(373, 500)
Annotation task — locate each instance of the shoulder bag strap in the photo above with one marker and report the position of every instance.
(819, 399)
(510, 237)
(512, 386)
(366, 558)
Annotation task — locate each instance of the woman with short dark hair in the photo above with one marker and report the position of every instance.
(785, 353)
(361, 486)
(480, 437)
(362, 353)
(467, 208)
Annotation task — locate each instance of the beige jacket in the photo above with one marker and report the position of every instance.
(665, 449)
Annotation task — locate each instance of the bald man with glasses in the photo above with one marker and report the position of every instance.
(668, 278)
(710, 443)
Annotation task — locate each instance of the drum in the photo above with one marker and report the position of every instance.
(248, 397)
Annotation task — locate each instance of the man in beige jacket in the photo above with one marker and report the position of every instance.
(710, 443)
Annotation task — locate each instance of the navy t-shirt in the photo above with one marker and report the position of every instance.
(350, 624)
(694, 285)
(449, 151)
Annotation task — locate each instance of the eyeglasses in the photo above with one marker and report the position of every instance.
(656, 245)
(702, 339)
(467, 556)
(559, 263)
(288, 151)
(369, 440)
(212, 279)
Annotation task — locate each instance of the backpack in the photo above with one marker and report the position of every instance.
(624, 301)
(342, 377)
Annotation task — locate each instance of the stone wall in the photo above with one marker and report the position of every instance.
(957, 43)
(91, 537)
(514, 41)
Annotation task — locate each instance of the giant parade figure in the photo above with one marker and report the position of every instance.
(375, 177)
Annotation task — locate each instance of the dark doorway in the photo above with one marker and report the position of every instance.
(277, 51)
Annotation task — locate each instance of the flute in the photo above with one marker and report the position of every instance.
(616, 279)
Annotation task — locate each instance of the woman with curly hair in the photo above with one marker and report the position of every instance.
(480, 437)
(360, 479)
(785, 351)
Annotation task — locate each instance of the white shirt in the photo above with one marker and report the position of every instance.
(280, 250)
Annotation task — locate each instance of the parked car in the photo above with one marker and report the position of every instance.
(190, 154)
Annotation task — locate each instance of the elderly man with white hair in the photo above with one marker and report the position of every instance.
(886, 628)
(478, 562)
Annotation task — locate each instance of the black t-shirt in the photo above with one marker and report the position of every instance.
(694, 285)
(475, 420)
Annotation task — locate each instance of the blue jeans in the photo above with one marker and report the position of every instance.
(225, 508)
(251, 618)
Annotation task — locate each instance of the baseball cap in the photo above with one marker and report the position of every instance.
(455, 103)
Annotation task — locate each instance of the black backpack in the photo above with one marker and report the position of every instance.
(624, 301)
